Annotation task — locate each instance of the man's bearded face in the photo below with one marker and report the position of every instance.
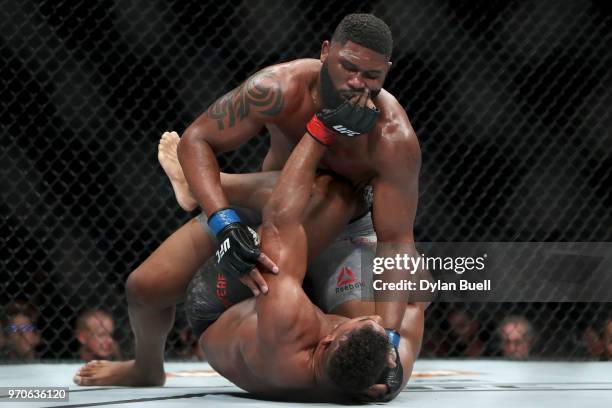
(332, 97)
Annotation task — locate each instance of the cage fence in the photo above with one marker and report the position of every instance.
(510, 101)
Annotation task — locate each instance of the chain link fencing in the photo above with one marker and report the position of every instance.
(510, 101)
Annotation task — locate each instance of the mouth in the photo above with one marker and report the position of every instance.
(350, 94)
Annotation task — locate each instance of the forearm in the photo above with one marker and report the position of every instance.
(411, 332)
(391, 305)
(292, 192)
(201, 171)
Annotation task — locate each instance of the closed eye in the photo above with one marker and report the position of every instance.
(349, 67)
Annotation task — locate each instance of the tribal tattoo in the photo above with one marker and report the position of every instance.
(261, 92)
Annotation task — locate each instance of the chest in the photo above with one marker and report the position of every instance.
(351, 160)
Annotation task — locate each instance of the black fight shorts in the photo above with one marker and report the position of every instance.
(209, 294)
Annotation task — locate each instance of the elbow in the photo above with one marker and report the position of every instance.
(277, 215)
(192, 134)
(191, 138)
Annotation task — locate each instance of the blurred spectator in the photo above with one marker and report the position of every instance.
(94, 331)
(516, 337)
(593, 343)
(2, 343)
(607, 340)
(22, 336)
(189, 347)
(464, 335)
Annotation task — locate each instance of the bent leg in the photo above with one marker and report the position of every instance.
(167, 157)
(152, 290)
(242, 190)
(249, 190)
(332, 205)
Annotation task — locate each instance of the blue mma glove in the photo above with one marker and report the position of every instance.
(393, 377)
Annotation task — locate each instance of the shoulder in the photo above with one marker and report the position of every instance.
(395, 140)
(285, 83)
(285, 315)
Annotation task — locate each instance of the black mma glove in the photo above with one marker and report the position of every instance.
(238, 244)
(393, 377)
(348, 119)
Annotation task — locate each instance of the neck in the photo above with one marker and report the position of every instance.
(328, 324)
(321, 379)
(315, 91)
(335, 320)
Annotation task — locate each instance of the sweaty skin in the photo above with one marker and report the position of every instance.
(282, 98)
(254, 194)
(274, 345)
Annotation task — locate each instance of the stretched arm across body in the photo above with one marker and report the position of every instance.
(291, 207)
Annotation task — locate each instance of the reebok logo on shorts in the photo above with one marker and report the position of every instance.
(347, 280)
(345, 277)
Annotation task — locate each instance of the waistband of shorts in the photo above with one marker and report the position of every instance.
(359, 227)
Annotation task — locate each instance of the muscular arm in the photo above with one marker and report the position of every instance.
(284, 238)
(411, 332)
(394, 210)
(230, 121)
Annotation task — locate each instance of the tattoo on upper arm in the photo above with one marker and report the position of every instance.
(261, 92)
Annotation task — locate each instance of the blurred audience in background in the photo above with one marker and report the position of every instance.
(516, 337)
(21, 335)
(593, 343)
(464, 335)
(94, 331)
(3, 351)
(607, 340)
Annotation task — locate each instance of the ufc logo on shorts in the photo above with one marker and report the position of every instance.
(345, 131)
(223, 249)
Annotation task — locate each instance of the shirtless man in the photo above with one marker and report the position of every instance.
(280, 344)
(284, 98)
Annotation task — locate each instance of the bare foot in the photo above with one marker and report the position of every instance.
(168, 158)
(102, 372)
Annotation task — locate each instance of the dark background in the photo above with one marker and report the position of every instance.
(510, 100)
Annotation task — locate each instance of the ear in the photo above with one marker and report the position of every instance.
(324, 50)
(375, 392)
(327, 340)
(390, 63)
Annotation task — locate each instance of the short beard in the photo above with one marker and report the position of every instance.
(330, 96)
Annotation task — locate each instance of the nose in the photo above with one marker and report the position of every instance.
(356, 82)
(377, 319)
